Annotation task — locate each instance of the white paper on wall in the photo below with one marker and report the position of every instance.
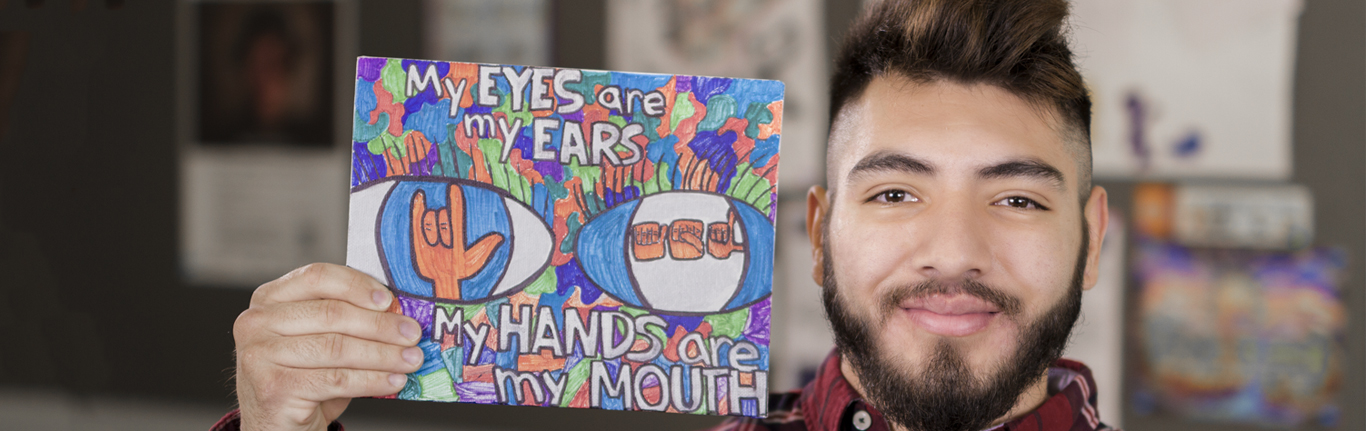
(1188, 88)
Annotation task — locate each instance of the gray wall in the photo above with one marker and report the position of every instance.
(91, 301)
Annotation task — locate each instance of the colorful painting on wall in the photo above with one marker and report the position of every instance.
(572, 238)
(1239, 336)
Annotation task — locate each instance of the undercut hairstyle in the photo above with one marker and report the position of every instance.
(1017, 45)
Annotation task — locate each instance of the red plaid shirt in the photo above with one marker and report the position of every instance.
(829, 403)
(233, 422)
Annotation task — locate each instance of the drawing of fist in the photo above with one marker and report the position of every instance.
(439, 244)
(686, 239)
(647, 240)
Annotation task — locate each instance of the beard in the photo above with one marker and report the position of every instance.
(947, 395)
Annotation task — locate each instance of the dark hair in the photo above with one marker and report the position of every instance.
(1017, 45)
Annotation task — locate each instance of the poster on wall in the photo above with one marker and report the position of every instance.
(571, 238)
(1188, 88)
(1239, 336)
(258, 128)
(264, 72)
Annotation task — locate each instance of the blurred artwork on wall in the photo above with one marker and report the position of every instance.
(257, 126)
(1237, 335)
(1188, 88)
(1247, 216)
(265, 73)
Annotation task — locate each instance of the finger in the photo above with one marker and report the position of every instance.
(287, 398)
(325, 281)
(419, 214)
(477, 255)
(319, 351)
(333, 408)
(431, 228)
(333, 316)
(332, 383)
(443, 220)
(455, 201)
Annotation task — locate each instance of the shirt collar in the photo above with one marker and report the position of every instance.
(831, 403)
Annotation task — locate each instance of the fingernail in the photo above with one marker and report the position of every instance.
(413, 355)
(380, 298)
(409, 329)
(398, 380)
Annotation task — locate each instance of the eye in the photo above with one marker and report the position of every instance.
(1021, 202)
(893, 197)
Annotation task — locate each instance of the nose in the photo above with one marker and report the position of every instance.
(951, 241)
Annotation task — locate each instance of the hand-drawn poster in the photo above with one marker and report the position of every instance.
(572, 238)
(766, 39)
(1241, 336)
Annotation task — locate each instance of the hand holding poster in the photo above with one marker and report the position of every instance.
(568, 237)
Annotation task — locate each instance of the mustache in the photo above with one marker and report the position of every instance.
(1008, 304)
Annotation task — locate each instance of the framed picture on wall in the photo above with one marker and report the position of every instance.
(264, 73)
(262, 136)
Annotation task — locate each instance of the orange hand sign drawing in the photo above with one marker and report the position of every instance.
(686, 239)
(439, 244)
(721, 238)
(647, 240)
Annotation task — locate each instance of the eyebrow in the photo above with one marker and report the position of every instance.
(1028, 169)
(883, 161)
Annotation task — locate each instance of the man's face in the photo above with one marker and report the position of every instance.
(953, 245)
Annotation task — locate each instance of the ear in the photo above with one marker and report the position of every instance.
(1097, 213)
(817, 203)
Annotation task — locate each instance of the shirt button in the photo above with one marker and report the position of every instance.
(862, 420)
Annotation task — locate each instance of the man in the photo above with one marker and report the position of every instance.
(960, 226)
(953, 244)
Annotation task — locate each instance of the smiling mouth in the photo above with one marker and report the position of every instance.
(950, 315)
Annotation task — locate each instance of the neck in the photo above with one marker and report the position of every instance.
(1028, 401)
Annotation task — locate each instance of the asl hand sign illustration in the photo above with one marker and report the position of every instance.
(721, 240)
(439, 247)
